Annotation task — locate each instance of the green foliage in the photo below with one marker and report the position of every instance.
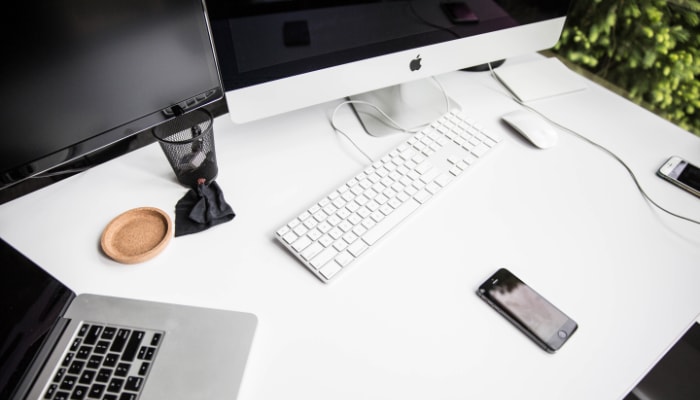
(650, 48)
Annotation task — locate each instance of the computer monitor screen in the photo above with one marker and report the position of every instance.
(80, 75)
(281, 55)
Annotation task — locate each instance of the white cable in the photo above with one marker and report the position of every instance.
(342, 132)
(594, 144)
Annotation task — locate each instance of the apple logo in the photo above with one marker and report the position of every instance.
(414, 65)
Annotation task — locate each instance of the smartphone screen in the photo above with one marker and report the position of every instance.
(528, 310)
(690, 175)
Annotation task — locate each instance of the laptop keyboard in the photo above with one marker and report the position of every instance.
(105, 362)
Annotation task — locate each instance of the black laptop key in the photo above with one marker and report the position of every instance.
(122, 369)
(147, 353)
(133, 346)
(150, 352)
(133, 383)
(111, 360)
(67, 359)
(87, 377)
(120, 340)
(93, 334)
(155, 340)
(109, 332)
(76, 344)
(83, 352)
(128, 396)
(59, 375)
(103, 375)
(62, 396)
(96, 391)
(68, 382)
(79, 392)
(101, 347)
(115, 385)
(143, 369)
(76, 367)
(83, 330)
(95, 361)
(110, 397)
(50, 391)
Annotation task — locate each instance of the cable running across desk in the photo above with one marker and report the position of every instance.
(594, 144)
(341, 227)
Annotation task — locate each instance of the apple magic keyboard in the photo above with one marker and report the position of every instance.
(337, 230)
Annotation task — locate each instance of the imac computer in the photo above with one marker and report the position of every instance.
(82, 75)
(280, 55)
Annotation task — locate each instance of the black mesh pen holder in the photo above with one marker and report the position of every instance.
(188, 144)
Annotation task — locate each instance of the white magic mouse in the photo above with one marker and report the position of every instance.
(534, 128)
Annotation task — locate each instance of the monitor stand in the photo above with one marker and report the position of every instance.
(412, 105)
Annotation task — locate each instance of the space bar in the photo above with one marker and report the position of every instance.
(385, 225)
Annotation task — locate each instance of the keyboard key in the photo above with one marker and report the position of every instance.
(108, 333)
(330, 270)
(155, 340)
(111, 360)
(115, 385)
(83, 330)
(59, 375)
(75, 367)
(79, 392)
(95, 361)
(133, 383)
(50, 391)
(122, 369)
(143, 369)
(61, 396)
(83, 352)
(93, 334)
(120, 340)
(101, 347)
(103, 375)
(133, 345)
(96, 391)
(68, 382)
(87, 376)
(67, 359)
(325, 256)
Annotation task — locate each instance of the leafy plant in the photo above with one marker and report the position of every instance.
(649, 48)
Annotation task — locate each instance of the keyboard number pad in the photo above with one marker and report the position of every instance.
(104, 362)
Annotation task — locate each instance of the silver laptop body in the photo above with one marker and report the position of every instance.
(183, 352)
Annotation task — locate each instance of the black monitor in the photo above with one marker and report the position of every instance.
(80, 75)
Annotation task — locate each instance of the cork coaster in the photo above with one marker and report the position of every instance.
(137, 235)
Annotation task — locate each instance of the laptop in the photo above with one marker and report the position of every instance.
(55, 345)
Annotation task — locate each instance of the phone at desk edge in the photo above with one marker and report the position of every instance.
(340, 228)
(681, 173)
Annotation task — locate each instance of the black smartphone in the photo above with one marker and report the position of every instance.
(539, 319)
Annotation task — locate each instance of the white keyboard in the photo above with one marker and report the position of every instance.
(334, 232)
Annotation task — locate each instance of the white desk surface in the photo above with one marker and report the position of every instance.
(405, 322)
